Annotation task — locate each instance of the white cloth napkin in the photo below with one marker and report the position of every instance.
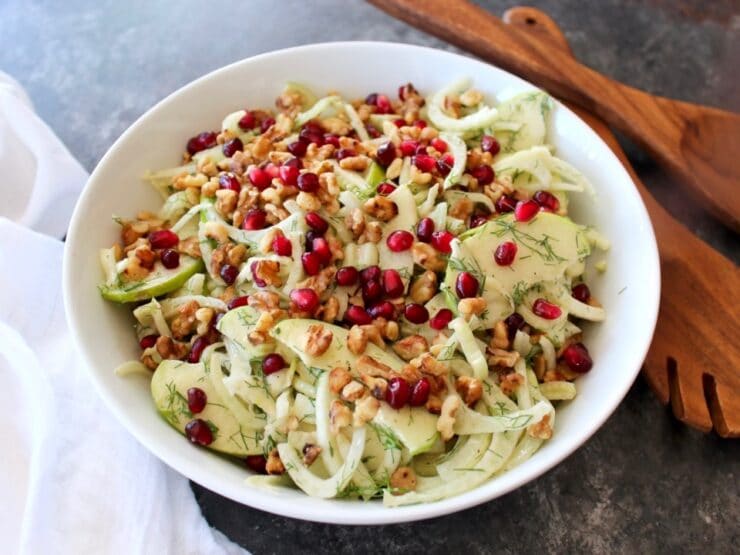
(72, 479)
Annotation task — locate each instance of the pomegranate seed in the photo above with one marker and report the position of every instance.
(526, 210)
(306, 300)
(248, 121)
(312, 133)
(484, 174)
(197, 400)
(282, 246)
(577, 358)
(322, 250)
(444, 164)
(490, 144)
(272, 363)
(236, 302)
(297, 148)
(229, 181)
(202, 141)
(385, 154)
(228, 273)
(254, 219)
(399, 122)
(311, 263)
(581, 292)
(289, 173)
(416, 313)
(408, 147)
(383, 309)
(163, 239)
(272, 170)
(439, 145)
(424, 230)
(316, 222)
(331, 139)
(197, 349)
(232, 147)
(421, 149)
(546, 310)
(385, 189)
(308, 182)
(477, 221)
(170, 259)
(402, 91)
(372, 131)
(424, 162)
(420, 393)
(514, 322)
(505, 204)
(343, 153)
(356, 315)
(148, 341)
(259, 177)
(370, 273)
(257, 463)
(392, 283)
(398, 392)
(440, 320)
(347, 275)
(466, 285)
(310, 236)
(266, 124)
(505, 253)
(383, 105)
(371, 291)
(371, 99)
(400, 240)
(198, 432)
(547, 200)
(441, 241)
(420, 123)
(258, 281)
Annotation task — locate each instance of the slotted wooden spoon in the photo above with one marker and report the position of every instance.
(698, 144)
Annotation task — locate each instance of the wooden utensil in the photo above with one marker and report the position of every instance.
(698, 144)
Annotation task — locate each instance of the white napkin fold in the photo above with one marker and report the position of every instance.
(72, 479)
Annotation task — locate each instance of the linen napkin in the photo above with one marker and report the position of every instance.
(72, 479)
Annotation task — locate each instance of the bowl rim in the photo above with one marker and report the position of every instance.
(268, 502)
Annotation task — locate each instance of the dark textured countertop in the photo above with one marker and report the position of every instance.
(643, 483)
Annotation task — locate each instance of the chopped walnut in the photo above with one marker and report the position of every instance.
(275, 214)
(427, 257)
(499, 357)
(321, 281)
(169, 349)
(387, 329)
(381, 208)
(403, 480)
(308, 201)
(339, 416)
(430, 365)
(355, 163)
(461, 208)
(471, 306)
(368, 365)
(471, 97)
(470, 389)
(352, 391)
(185, 321)
(182, 182)
(330, 309)
(225, 202)
(372, 234)
(204, 317)
(265, 245)
(318, 340)
(377, 386)
(336, 125)
(216, 231)
(419, 177)
(236, 254)
(338, 378)
(434, 404)
(274, 465)
(424, 287)
(268, 271)
(446, 420)
(262, 300)
(190, 246)
(539, 367)
(541, 429)
(357, 340)
(355, 222)
(365, 409)
(510, 383)
(310, 453)
(411, 347)
(500, 339)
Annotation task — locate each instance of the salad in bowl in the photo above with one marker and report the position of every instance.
(364, 298)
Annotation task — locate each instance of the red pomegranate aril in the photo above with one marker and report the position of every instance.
(399, 122)
(272, 363)
(248, 121)
(383, 104)
(392, 283)
(306, 300)
(297, 148)
(148, 341)
(526, 210)
(408, 147)
(383, 309)
(254, 219)
(228, 273)
(547, 200)
(356, 315)
(170, 258)
(266, 124)
(343, 153)
(236, 302)
(372, 131)
(197, 400)
(581, 292)
(444, 164)
(229, 181)
(308, 182)
(505, 204)
(385, 154)
(439, 145)
(331, 139)
(490, 144)
(259, 177)
(282, 246)
(424, 162)
(514, 322)
(477, 221)
(371, 291)
(466, 285)
(505, 253)
(546, 310)
(311, 135)
(197, 349)
(202, 141)
(311, 234)
(370, 273)
(289, 174)
(398, 393)
(577, 358)
(483, 174)
(385, 189)
(322, 250)
(232, 147)
(440, 320)
(256, 463)
(272, 170)
(347, 275)
(198, 432)
(400, 240)
(441, 241)
(316, 222)
(258, 281)
(311, 263)
(421, 149)
(420, 123)
(163, 239)
(371, 99)
(416, 313)
(420, 393)
(425, 229)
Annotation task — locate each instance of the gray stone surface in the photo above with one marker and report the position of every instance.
(643, 483)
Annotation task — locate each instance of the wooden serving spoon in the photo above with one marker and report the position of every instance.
(698, 144)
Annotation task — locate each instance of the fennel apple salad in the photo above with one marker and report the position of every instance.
(366, 299)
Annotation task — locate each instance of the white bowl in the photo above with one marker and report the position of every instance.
(629, 290)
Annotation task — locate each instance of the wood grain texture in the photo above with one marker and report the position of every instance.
(697, 144)
(694, 359)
